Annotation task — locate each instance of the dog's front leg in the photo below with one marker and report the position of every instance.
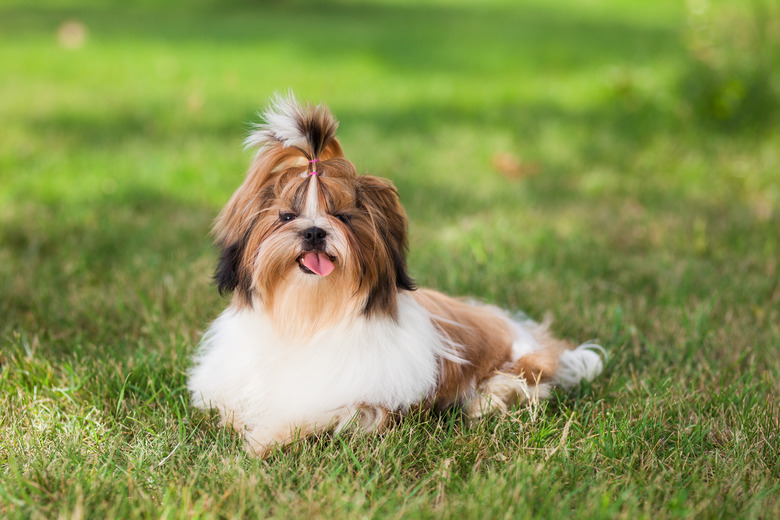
(261, 442)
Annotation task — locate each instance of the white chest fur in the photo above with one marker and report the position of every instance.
(244, 368)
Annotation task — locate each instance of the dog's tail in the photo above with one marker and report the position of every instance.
(286, 123)
(585, 362)
(544, 358)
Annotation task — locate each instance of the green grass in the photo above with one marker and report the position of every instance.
(645, 215)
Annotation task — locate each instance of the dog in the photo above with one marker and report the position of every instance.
(326, 329)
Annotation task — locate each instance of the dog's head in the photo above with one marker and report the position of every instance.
(305, 237)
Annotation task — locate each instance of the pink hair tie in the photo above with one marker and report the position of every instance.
(313, 172)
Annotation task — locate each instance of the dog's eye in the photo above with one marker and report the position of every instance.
(287, 217)
(344, 218)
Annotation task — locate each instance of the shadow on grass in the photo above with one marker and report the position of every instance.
(606, 134)
(110, 270)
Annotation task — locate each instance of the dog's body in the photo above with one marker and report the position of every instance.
(326, 328)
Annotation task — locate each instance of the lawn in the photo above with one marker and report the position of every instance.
(613, 163)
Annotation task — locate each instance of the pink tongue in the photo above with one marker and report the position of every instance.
(318, 263)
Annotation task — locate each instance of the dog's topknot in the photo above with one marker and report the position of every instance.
(308, 128)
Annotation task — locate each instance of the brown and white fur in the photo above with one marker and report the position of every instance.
(326, 328)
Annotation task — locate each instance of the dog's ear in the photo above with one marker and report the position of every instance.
(232, 230)
(380, 201)
(226, 275)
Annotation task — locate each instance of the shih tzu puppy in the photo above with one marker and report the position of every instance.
(326, 329)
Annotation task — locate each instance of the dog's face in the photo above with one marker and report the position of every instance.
(311, 241)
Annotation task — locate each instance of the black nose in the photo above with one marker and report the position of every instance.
(314, 236)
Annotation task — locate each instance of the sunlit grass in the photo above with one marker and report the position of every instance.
(551, 157)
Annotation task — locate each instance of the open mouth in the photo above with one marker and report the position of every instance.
(316, 262)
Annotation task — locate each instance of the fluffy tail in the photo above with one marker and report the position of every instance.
(583, 362)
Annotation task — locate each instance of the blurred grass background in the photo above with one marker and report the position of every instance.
(616, 163)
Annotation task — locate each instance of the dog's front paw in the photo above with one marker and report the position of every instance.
(257, 445)
(365, 418)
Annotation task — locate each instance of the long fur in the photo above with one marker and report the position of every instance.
(303, 349)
